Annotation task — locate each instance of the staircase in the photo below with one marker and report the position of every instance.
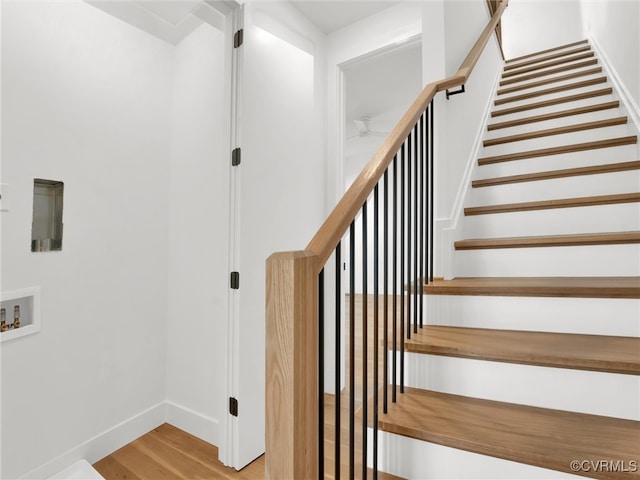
(530, 366)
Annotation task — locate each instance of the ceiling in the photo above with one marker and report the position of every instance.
(332, 15)
(173, 20)
(169, 20)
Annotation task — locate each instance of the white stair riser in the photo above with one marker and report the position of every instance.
(552, 108)
(556, 122)
(624, 153)
(623, 217)
(589, 316)
(598, 260)
(418, 460)
(561, 140)
(567, 187)
(596, 393)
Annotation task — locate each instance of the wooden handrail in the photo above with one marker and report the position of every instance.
(332, 230)
(292, 332)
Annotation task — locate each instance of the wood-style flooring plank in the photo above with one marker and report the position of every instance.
(562, 173)
(572, 240)
(574, 287)
(551, 71)
(545, 152)
(512, 65)
(170, 453)
(559, 203)
(111, 469)
(554, 115)
(536, 436)
(549, 91)
(553, 101)
(134, 458)
(562, 350)
(553, 63)
(576, 127)
(547, 81)
(542, 52)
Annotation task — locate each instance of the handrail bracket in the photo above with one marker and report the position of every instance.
(455, 92)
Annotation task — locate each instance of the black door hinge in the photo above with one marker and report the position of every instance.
(236, 157)
(235, 280)
(238, 38)
(233, 406)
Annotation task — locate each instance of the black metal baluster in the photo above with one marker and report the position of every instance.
(431, 199)
(385, 262)
(338, 370)
(402, 232)
(422, 236)
(409, 218)
(376, 346)
(395, 277)
(414, 284)
(352, 343)
(365, 301)
(321, 375)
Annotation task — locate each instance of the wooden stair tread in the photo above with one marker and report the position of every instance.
(576, 127)
(580, 239)
(549, 91)
(553, 63)
(512, 65)
(542, 52)
(536, 436)
(551, 71)
(553, 115)
(547, 81)
(551, 174)
(552, 102)
(577, 287)
(559, 203)
(575, 147)
(563, 350)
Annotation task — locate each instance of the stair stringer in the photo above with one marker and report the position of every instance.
(632, 108)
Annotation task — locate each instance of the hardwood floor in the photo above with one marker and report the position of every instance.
(169, 453)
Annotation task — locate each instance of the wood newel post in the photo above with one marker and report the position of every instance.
(292, 366)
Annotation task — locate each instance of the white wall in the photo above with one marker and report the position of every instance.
(84, 101)
(532, 25)
(375, 33)
(459, 120)
(615, 26)
(198, 241)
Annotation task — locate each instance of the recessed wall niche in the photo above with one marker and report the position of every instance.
(46, 227)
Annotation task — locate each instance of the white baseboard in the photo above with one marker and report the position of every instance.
(104, 443)
(107, 442)
(194, 423)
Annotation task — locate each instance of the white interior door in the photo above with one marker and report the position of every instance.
(279, 201)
